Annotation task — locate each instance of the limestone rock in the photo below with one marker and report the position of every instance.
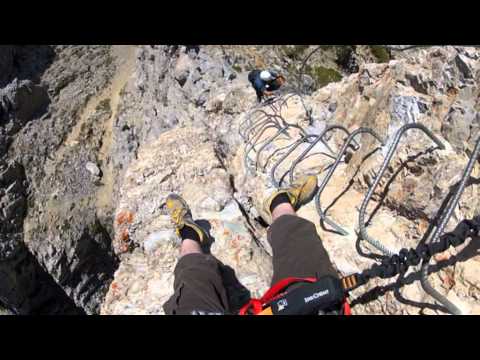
(462, 122)
(93, 139)
(182, 68)
(53, 148)
(92, 168)
(201, 182)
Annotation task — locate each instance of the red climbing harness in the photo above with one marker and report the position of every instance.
(317, 294)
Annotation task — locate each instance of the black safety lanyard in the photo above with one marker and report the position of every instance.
(400, 262)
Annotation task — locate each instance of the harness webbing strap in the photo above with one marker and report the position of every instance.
(260, 306)
(256, 305)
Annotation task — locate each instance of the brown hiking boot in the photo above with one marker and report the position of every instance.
(181, 216)
(299, 193)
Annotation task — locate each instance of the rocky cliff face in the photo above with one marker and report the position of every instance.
(57, 230)
(93, 139)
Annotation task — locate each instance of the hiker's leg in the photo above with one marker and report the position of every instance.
(297, 249)
(198, 284)
(259, 95)
(282, 209)
(190, 247)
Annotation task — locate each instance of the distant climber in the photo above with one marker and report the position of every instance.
(297, 252)
(265, 82)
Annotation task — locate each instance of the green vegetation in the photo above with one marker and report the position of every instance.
(104, 105)
(109, 59)
(294, 52)
(327, 47)
(96, 227)
(65, 226)
(380, 52)
(291, 68)
(237, 68)
(343, 53)
(322, 75)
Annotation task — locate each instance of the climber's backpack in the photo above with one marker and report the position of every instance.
(314, 296)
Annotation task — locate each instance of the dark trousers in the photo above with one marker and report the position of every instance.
(297, 251)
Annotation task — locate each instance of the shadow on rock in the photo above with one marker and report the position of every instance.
(27, 289)
(88, 279)
(24, 62)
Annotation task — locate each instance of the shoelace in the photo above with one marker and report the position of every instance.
(177, 216)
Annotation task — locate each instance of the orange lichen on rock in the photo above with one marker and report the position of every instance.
(123, 240)
(124, 248)
(124, 235)
(448, 280)
(124, 216)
